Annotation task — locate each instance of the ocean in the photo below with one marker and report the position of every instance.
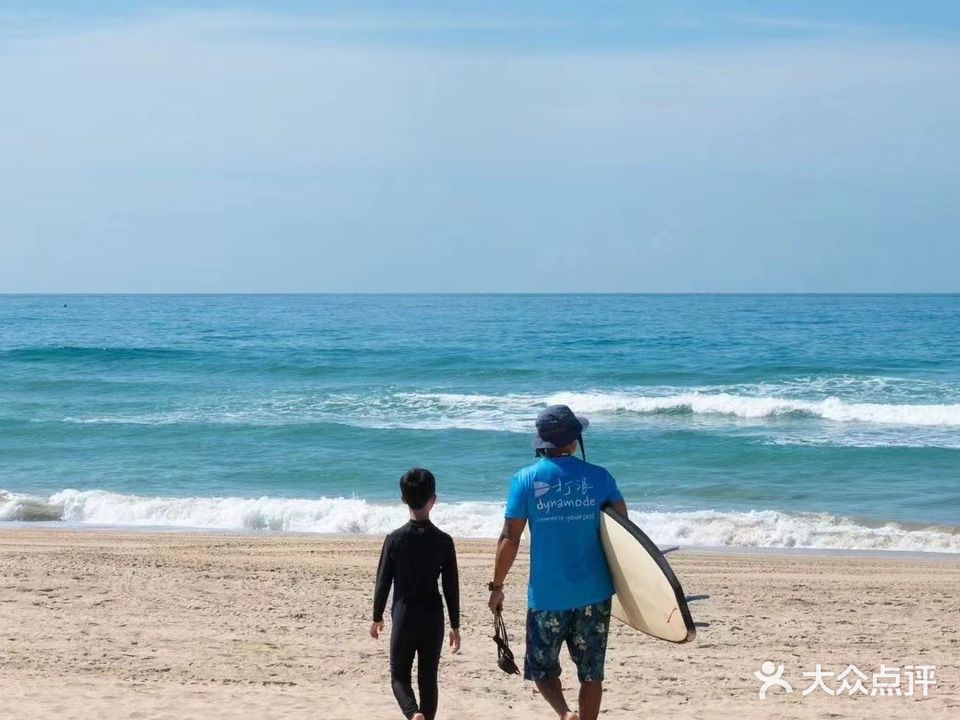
(807, 421)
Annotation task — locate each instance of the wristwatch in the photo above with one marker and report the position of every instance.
(493, 587)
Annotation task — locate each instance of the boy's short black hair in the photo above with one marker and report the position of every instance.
(417, 486)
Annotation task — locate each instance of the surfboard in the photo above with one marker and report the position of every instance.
(649, 597)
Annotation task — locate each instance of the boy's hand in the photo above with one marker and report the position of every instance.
(455, 641)
(376, 629)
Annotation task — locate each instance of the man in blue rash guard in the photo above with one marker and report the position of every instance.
(568, 596)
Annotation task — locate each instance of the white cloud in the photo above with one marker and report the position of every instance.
(221, 90)
(799, 24)
(210, 151)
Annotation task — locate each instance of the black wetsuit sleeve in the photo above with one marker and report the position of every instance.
(384, 581)
(450, 579)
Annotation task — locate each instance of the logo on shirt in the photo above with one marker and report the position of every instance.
(572, 494)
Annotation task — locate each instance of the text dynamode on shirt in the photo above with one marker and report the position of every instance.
(562, 499)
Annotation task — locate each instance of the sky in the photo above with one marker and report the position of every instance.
(627, 146)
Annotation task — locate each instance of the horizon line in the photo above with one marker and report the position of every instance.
(481, 293)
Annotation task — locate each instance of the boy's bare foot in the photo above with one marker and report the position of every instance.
(418, 716)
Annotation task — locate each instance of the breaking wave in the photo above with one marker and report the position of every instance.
(515, 413)
(747, 407)
(709, 528)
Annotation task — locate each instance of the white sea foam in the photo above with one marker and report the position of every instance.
(321, 515)
(927, 438)
(515, 412)
(769, 528)
(705, 403)
(466, 519)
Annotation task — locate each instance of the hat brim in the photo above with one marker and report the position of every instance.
(540, 444)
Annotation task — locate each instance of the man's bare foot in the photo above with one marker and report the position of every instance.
(571, 715)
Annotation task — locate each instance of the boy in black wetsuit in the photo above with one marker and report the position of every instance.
(413, 557)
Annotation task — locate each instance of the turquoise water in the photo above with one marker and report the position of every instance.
(818, 421)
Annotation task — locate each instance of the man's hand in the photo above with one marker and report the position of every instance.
(376, 629)
(496, 601)
(455, 641)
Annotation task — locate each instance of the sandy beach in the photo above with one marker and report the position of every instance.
(174, 625)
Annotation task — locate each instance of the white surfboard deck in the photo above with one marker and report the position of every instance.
(649, 597)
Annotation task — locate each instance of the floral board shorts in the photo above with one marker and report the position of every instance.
(583, 629)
